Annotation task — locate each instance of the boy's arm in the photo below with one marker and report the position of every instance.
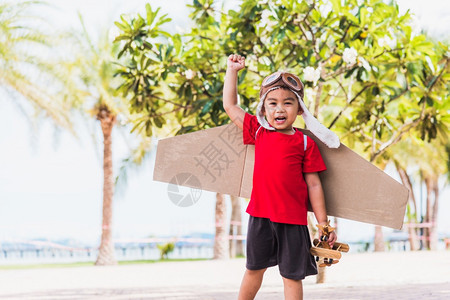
(234, 111)
(317, 200)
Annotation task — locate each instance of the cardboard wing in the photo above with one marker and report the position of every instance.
(217, 160)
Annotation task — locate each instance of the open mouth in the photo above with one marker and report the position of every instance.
(280, 120)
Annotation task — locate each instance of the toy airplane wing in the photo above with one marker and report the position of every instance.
(328, 256)
(217, 160)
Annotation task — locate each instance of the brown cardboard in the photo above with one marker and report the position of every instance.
(354, 188)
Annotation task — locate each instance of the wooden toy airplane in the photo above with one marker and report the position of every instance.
(325, 255)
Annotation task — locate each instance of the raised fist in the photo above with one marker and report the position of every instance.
(235, 62)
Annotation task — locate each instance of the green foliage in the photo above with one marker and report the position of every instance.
(166, 249)
(25, 67)
(447, 152)
(396, 85)
(149, 61)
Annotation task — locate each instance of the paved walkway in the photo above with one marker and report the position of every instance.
(400, 275)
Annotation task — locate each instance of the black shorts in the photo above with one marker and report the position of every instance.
(286, 245)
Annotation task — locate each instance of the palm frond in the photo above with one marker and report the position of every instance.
(24, 68)
(41, 100)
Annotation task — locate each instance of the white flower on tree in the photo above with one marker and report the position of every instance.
(364, 63)
(311, 74)
(386, 42)
(350, 55)
(265, 15)
(266, 22)
(189, 74)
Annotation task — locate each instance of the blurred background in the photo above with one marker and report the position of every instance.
(63, 83)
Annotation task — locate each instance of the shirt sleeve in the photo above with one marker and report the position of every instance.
(251, 125)
(312, 161)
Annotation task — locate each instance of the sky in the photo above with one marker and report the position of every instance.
(51, 182)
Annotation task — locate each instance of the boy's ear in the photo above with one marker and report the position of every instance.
(300, 111)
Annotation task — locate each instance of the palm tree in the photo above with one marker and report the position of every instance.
(236, 246)
(428, 157)
(411, 210)
(24, 71)
(221, 250)
(96, 94)
(86, 81)
(107, 121)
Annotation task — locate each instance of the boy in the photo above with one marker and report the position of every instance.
(285, 176)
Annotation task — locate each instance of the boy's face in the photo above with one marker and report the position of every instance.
(281, 108)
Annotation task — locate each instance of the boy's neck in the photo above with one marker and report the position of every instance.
(288, 131)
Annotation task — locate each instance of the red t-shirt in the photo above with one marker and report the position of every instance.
(279, 189)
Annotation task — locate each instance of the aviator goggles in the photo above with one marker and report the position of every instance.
(282, 79)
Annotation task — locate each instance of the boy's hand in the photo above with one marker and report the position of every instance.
(332, 238)
(235, 62)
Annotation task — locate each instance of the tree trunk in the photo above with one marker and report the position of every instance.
(379, 239)
(314, 233)
(429, 186)
(412, 233)
(431, 239)
(321, 274)
(106, 250)
(236, 247)
(221, 241)
(433, 233)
